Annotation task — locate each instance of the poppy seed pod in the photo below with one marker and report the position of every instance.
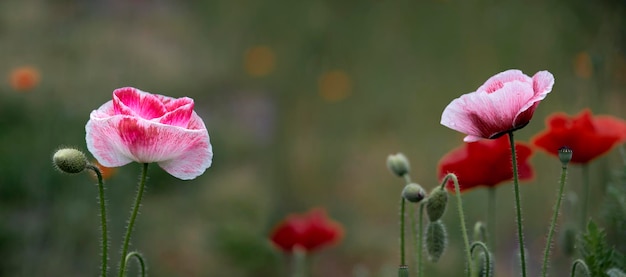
(413, 193)
(69, 160)
(403, 271)
(565, 155)
(436, 240)
(398, 164)
(436, 203)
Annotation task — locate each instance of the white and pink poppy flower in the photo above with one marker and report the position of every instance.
(505, 103)
(143, 127)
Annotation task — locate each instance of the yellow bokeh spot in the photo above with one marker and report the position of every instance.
(582, 65)
(24, 78)
(259, 61)
(334, 86)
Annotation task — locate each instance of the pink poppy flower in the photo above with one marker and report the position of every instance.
(505, 103)
(143, 127)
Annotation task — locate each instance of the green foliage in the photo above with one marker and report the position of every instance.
(597, 253)
(614, 211)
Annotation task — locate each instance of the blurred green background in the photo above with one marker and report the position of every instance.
(303, 100)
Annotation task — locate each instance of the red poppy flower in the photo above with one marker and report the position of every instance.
(310, 231)
(588, 136)
(485, 163)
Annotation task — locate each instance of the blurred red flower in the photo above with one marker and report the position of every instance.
(485, 163)
(24, 78)
(309, 231)
(588, 136)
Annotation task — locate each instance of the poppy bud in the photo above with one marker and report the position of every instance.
(413, 193)
(436, 204)
(69, 160)
(403, 271)
(436, 240)
(398, 164)
(565, 155)
(568, 241)
(615, 272)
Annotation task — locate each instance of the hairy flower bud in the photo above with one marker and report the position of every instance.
(565, 155)
(436, 203)
(398, 164)
(69, 160)
(615, 272)
(413, 193)
(436, 240)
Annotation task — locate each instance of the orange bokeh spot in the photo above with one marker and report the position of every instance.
(334, 86)
(583, 66)
(106, 172)
(24, 78)
(259, 61)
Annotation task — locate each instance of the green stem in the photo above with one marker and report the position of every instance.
(103, 221)
(585, 195)
(557, 207)
(491, 214)
(402, 256)
(468, 254)
(583, 265)
(139, 258)
(518, 205)
(488, 261)
(299, 262)
(420, 235)
(131, 221)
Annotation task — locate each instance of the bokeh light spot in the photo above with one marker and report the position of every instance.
(259, 61)
(583, 66)
(334, 86)
(106, 172)
(24, 78)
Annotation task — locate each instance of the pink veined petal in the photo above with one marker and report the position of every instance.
(542, 85)
(497, 81)
(484, 115)
(543, 82)
(132, 101)
(180, 114)
(196, 157)
(104, 143)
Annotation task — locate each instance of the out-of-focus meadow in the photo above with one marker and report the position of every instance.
(303, 101)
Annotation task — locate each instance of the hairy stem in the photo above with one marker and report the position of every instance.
(518, 205)
(133, 216)
(583, 265)
(468, 254)
(103, 221)
(139, 258)
(557, 207)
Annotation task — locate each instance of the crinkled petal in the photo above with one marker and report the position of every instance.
(197, 156)
(497, 81)
(179, 113)
(134, 102)
(117, 140)
(485, 115)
